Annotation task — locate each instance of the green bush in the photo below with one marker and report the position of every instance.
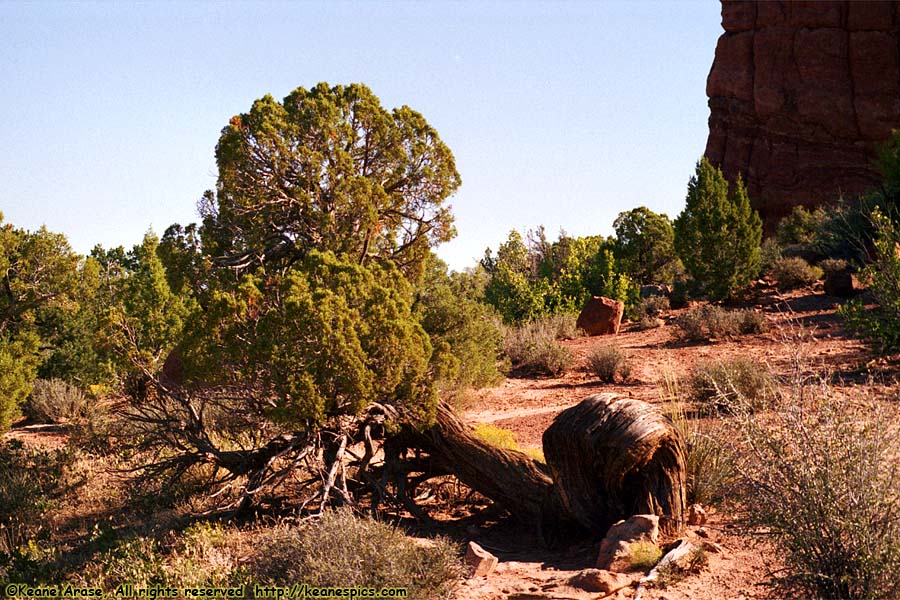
(55, 401)
(801, 227)
(465, 333)
(794, 272)
(532, 347)
(343, 550)
(822, 481)
(609, 362)
(727, 384)
(710, 321)
(881, 327)
(717, 235)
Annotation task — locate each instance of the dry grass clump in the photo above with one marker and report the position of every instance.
(709, 466)
(506, 439)
(341, 549)
(723, 384)
(532, 348)
(55, 401)
(496, 436)
(794, 272)
(709, 321)
(608, 363)
(644, 555)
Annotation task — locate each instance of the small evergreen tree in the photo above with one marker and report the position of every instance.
(644, 246)
(717, 235)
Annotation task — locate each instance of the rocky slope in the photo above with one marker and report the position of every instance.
(800, 93)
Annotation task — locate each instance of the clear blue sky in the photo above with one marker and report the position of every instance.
(561, 114)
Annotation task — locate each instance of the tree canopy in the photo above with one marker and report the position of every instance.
(329, 169)
(645, 245)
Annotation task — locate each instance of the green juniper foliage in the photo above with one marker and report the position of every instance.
(717, 235)
(645, 247)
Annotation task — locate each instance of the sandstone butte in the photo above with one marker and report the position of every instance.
(800, 95)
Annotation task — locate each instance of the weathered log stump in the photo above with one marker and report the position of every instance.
(609, 457)
(612, 457)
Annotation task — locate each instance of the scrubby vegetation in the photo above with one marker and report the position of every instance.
(709, 321)
(820, 474)
(609, 363)
(794, 272)
(882, 325)
(723, 384)
(532, 347)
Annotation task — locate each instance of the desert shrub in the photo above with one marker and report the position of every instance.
(750, 322)
(608, 362)
(723, 384)
(881, 327)
(652, 307)
(55, 401)
(834, 265)
(646, 323)
(683, 290)
(710, 321)
(464, 332)
(343, 550)
(644, 555)
(794, 272)
(822, 480)
(801, 227)
(532, 347)
(564, 325)
(30, 480)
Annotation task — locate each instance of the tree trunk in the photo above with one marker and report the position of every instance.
(509, 477)
(614, 457)
(609, 457)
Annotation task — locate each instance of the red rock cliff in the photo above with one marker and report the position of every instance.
(800, 93)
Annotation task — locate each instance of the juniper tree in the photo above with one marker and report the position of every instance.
(717, 235)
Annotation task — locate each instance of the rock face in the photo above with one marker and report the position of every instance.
(800, 93)
(601, 316)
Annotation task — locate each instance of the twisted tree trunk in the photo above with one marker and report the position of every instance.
(608, 458)
(614, 457)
